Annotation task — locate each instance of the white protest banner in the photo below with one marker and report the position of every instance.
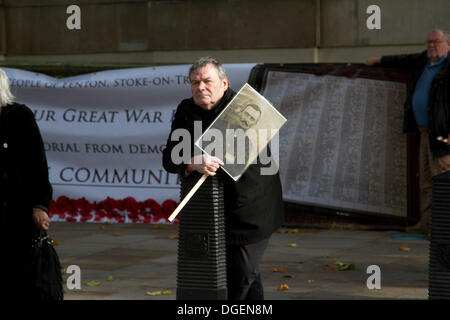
(104, 134)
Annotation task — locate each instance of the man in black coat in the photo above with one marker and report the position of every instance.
(427, 108)
(253, 204)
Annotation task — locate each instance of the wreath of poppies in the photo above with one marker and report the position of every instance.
(111, 210)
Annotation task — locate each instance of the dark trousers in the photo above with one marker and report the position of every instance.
(243, 277)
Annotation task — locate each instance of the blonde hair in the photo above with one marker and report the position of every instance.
(6, 96)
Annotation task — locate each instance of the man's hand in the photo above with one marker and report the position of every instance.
(41, 218)
(373, 61)
(445, 140)
(205, 164)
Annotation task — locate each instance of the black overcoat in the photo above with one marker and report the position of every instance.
(253, 204)
(24, 184)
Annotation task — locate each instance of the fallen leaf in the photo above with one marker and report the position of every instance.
(339, 266)
(158, 293)
(292, 245)
(110, 278)
(326, 256)
(345, 266)
(310, 281)
(157, 226)
(404, 249)
(283, 287)
(290, 276)
(282, 269)
(175, 236)
(296, 230)
(331, 267)
(93, 283)
(102, 228)
(117, 234)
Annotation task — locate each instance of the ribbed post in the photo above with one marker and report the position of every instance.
(439, 267)
(201, 266)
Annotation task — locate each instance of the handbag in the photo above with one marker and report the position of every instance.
(44, 269)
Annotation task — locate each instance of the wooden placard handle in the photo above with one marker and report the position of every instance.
(188, 196)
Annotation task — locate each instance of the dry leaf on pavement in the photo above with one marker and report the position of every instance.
(158, 293)
(340, 266)
(283, 287)
(285, 230)
(282, 269)
(345, 266)
(331, 267)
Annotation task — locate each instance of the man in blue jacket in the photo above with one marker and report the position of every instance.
(427, 108)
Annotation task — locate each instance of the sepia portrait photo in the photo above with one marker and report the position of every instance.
(241, 131)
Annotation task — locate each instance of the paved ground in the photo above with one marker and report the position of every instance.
(138, 262)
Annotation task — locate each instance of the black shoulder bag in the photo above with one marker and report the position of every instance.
(44, 268)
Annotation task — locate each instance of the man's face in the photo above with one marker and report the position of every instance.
(207, 87)
(437, 47)
(245, 117)
(249, 116)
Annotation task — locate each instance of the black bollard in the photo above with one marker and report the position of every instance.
(439, 266)
(201, 266)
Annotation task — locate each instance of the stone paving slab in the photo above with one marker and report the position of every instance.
(141, 258)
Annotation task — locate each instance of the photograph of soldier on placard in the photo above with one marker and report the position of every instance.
(242, 131)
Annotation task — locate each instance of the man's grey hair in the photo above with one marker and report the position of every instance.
(203, 62)
(445, 32)
(6, 96)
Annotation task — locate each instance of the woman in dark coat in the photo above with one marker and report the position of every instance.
(25, 191)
